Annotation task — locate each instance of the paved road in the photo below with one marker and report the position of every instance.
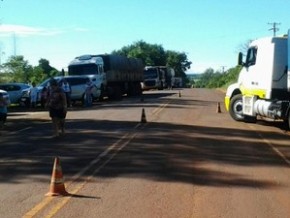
(186, 161)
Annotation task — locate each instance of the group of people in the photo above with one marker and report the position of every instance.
(56, 97)
(45, 92)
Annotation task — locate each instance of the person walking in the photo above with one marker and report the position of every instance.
(57, 105)
(67, 90)
(3, 110)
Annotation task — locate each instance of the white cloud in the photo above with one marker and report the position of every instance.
(21, 30)
(78, 29)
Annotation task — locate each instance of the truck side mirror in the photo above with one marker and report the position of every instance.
(240, 59)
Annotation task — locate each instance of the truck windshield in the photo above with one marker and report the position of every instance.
(150, 74)
(83, 69)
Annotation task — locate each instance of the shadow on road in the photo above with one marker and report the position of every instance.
(160, 151)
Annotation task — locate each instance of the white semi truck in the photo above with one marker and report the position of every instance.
(263, 86)
(157, 77)
(112, 75)
(154, 78)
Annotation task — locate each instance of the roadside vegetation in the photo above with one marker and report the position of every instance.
(214, 79)
(17, 69)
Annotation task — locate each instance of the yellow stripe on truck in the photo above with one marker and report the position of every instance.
(227, 102)
(261, 93)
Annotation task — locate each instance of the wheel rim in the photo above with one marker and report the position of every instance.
(238, 109)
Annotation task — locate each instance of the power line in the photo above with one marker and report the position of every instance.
(274, 28)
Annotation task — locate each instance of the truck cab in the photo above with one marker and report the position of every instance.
(154, 78)
(263, 86)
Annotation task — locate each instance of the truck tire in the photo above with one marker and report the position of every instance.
(236, 110)
(83, 100)
(117, 93)
(135, 89)
(138, 89)
(288, 120)
(102, 93)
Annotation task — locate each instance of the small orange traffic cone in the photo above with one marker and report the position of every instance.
(218, 109)
(57, 182)
(143, 117)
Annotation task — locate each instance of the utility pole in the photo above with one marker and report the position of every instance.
(274, 28)
(223, 68)
(14, 44)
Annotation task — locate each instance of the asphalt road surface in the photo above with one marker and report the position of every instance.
(187, 161)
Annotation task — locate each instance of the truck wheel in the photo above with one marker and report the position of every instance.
(289, 120)
(83, 100)
(117, 93)
(236, 108)
(138, 89)
(102, 94)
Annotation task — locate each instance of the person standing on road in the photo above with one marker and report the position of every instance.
(67, 90)
(44, 95)
(3, 110)
(57, 105)
(88, 94)
(33, 95)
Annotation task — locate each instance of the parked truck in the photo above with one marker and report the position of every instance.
(113, 75)
(177, 82)
(263, 86)
(157, 77)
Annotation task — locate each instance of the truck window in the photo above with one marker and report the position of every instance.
(150, 73)
(100, 68)
(83, 69)
(251, 56)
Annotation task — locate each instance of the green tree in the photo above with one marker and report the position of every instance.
(48, 70)
(18, 69)
(156, 55)
(179, 62)
(38, 75)
(151, 54)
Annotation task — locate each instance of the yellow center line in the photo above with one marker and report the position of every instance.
(35, 210)
(61, 204)
(46, 201)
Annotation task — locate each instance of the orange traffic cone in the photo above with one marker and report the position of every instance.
(143, 117)
(57, 182)
(218, 109)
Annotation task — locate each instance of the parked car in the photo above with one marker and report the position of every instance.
(6, 95)
(78, 87)
(15, 90)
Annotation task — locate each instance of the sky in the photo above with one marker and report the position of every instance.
(209, 32)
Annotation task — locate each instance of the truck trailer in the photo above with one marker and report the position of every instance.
(263, 86)
(113, 75)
